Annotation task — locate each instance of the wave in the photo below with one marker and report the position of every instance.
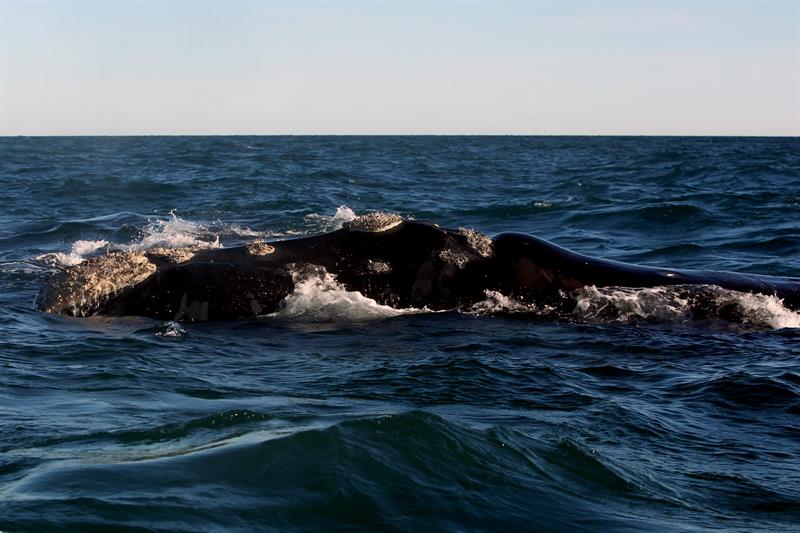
(388, 470)
(742, 390)
(409, 470)
(659, 214)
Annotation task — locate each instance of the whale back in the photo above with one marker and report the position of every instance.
(535, 269)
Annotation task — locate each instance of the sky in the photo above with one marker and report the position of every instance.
(257, 67)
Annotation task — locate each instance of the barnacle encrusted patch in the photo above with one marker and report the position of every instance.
(379, 267)
(174, 255)
(478, 241)
(260, 248)
(87, 286)
(374, 222)
(455, 257)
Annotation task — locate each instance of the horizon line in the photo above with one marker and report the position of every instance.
(759, 135)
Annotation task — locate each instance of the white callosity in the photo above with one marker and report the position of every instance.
(85, 287)
(478, 241)
(374, 222)
(174, 255)
(260, 248)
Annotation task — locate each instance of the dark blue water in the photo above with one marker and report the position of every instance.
(422, 421)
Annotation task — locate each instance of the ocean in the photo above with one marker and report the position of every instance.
(337, 413)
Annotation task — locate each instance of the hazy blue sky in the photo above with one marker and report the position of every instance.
(404, 67)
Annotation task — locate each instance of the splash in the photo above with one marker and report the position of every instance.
(762, 309)
(331, 223)
(158, 235)
(175, 232)
(683, 303)
(178, 233)
(498, 303)
(659, 304)
(343, 214)
(679, 304)
(247, 232)
(171, 329)
(80, 251)
(319, 298)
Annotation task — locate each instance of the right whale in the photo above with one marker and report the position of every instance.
(399, 263)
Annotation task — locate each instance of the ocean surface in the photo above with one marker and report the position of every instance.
(337, 413)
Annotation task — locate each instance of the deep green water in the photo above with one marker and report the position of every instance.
(637, 419)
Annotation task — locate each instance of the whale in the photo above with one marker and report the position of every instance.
(397, 262)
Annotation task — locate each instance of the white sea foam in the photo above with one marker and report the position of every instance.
(244, 231)
(767, 310)
(497, 302)
(77, 255)
(318, 297)
(625, 304)
(174, 232)
(675, 304)
(681, 304)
